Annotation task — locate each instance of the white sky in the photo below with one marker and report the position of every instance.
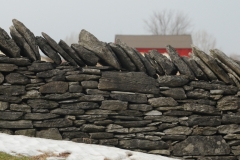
(105, 18)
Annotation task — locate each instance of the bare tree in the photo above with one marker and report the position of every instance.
(72, 38)
(169, 22)
(204, 40)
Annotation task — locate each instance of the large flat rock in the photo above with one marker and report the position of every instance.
(17, 78)
(16, 124)
(131, 81)
(172, 80)
(54, 87)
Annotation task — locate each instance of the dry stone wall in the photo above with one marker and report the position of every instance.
(109, 94)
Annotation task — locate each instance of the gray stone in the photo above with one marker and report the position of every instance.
(133, 98)
(232, 136)
(198, 101)
(177, 113)
(16, 124)
(89, 84)
(82, 77)
(87, 56)
(93, 71)
(17, 61)
(140, 107)
(228, 119)
(201, 108)
(174, 137)
(61, 111)
(162, 101)
(179, 63)
(47, 50)
(175, 93)
(78, 123)
(216, 92)
(206, 131)
(128, 124)
(228, 103)
(198, 94)
(92, 128)
(32, 94)
(75, 88)
(57, 48)
(91, 98)
(16, 78)
(164, 126)
(142, 144)
(228, 129)
(218, 158)
(42, 104)
(123, 57)
(130, 113)
(8, 67)
(28, 36)
(1, 78)
(7, 45)
(63, 96)
(5, 115)
(162, 118)
(172, 81)
(160, 152)
(97, 92)
(36, 110)
(6, 131)
(103, 123)
(179, 130)
(90, 42)
(54, 87)
(131, 81)
(85, 140)
(108, 142)
(158, 68)
(114, 128)
(40, 116)
(80, 105)
(40, 66)
(114, 105)
(20, 107)
(51, 133)
(101, 135)
(69, 129)
(100, 111)
(26, 50)
(4, 106)
(93, 118)
(51, 123)
(50, 73)
(128, 118)
(26, 132)
(204, 121)
(153, 113)
(10, 99)
(142, 129)
(71, 53)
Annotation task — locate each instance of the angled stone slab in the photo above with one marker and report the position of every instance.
(26, 50)
(234, 79)
(123, 58)
(132, 55)
(7, 45)
(204, 67)
(167, 66)
(155, 65)
(226, 60)
(131, 81)
(87, 56)
(179, 63)
(28, 36)
(199, 74)
(57, 48)
(212, 64)
(71, 53)
(90, 42)
(47, 50)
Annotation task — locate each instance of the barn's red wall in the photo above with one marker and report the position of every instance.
(181, 51)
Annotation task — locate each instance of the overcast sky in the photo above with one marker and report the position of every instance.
(105, 18)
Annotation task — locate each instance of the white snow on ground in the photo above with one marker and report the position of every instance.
(29, 146)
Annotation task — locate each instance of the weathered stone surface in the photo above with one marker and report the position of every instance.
(162, 101)
(199, 74)
(134, 98)
(174, 137)
(57, 48)
(1, 78)
(51, 133)
(16, 78)
(87, 56)
(160, 152)
(97, 92)
(63, 96)
(103, 123)
(75, 88)
(128, 124)
(82, 77)
(93, 71)
(217, 158)
(202, 145)
(92, 128)
(10, 99)
(140, 107)
(201, 108)
(142, 129)
(91, 98)
(54, 87)
(113, 128)
(179, 63)
(26, 50)
(40, 116)
(4, 106)
(172, 81)
(71, 53)
(228, 103)
(60, 122)
(40, 66)
(128, 118)
(177, 113)
(8, 67)
(232, 136)
(101, 135)
(17, 61)
(212, 64)
(228, 89)
(206, 131)
(50, 73)
(114, 105)
(14, 90)
(202, 121)
(61, 111)
(26, 132)
(157, 67)
(198, 94)
(108, 142)
(90, 42)
(16, 124)
(79, 123)
(199, 101)
(168, 67)
(228, 119)
(80, 105)
(130, 113)
(142, 144)
(47, 50)
(132, 55)
(123, 58)
(153, 113)
(85, 140)
(204, 67)
(10, 115)
(89, 84)
(7, 45)
(175, 93)
(31, 94)
(131, 81)
(100, 111)
(20, 107)
(228, 129)
(28, 36)
(162, 118)
(179, 130)
(41, 104)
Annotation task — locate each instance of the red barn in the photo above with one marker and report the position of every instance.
(144, 43)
